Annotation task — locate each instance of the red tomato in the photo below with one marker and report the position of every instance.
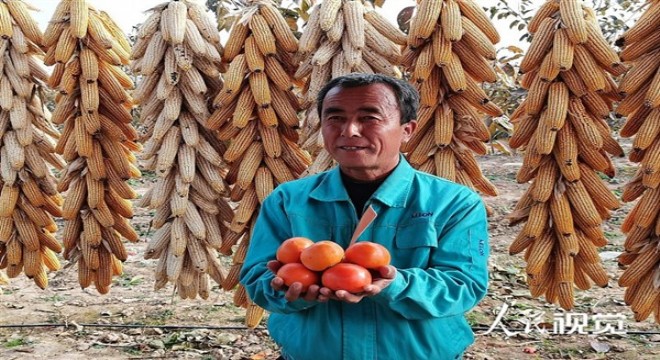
(344, 276)
(297, 272)
(367, 254)
(321, 255)
(289, 251)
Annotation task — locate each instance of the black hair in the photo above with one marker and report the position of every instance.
(407, 96)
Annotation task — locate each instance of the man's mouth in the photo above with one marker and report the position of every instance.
(352, 148)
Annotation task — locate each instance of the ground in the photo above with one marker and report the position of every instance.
(74, 322)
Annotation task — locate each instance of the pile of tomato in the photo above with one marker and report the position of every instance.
(326, 263)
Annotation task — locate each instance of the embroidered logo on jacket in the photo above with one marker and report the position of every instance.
(421, 214)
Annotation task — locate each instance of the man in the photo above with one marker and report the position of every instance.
(435, 230)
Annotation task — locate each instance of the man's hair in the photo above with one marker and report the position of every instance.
(406, 95)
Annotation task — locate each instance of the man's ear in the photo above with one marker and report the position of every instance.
(409, 129)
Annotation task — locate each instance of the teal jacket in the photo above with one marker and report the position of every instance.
(436, 232)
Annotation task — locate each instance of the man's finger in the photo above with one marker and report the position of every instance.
(348, 297)
(326, 294)
(312, 293)
(277, 283)
(371, 290)
(274, 265)
(387, 272)
(294, 292)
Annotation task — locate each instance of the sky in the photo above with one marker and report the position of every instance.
(131, 12)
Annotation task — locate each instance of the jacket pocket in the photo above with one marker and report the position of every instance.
(415, 234)
(415, 241)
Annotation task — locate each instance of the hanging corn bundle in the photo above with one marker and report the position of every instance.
(177, 53)
(449, 54)
(641, 88)
(97, 140)
(257, 110)
(562, 127)
(341, 37)
(29, 198)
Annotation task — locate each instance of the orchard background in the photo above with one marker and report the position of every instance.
(133, 321)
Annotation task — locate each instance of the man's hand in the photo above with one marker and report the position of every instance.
(387, 275)
(293, 292)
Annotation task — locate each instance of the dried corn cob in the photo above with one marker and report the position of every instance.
(561, 128)
(257, 111)
(98, 141)
(360, 40)
(453, 43)
(180, 64)
(642, 224)
(28, 194)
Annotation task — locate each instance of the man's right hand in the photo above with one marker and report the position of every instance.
(293, 292)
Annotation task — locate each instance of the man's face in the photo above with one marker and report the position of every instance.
(362, 131)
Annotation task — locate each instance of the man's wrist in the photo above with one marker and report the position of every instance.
(394, 288)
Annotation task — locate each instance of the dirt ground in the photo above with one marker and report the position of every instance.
(80, 324)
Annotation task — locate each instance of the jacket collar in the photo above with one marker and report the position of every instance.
(393, 192)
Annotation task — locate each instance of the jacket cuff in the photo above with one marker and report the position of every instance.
(392, 290)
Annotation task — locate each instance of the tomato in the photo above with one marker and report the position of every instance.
(344, 276)
(289, 251)
(297, 272)
(367, 254)
(322, 255)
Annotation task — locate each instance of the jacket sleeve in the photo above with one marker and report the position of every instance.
(271, 229)
(457, 276)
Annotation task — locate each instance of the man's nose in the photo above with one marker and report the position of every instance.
(350, 129)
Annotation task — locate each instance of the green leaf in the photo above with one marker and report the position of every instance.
(305, 5)
(303, 10)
